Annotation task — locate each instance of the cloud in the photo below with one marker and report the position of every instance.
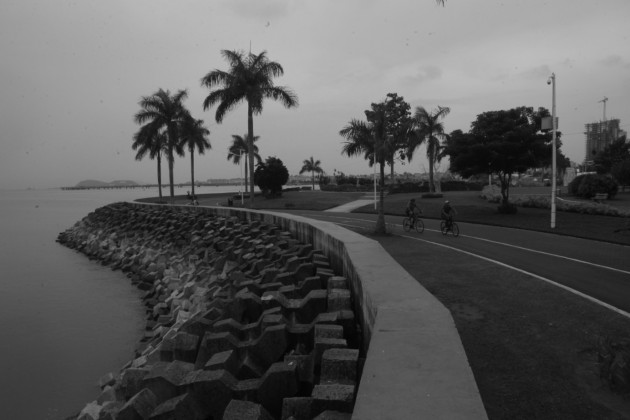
(615, 61)
(264, 10)
(422, 74)
(539, 72)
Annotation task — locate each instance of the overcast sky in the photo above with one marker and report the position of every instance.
(72, 73)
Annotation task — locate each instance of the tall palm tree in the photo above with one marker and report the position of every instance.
(147, 141)
(429, 129)
(370, 139)
(249, 79)
(236, 149)
(312, 166)
(194, 136)
(167, 112)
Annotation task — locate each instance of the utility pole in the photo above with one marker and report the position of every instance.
(552, 82)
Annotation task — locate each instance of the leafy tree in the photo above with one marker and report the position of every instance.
(369, 138)
(270, 176)
(194, 136)
(147, 141)
(501, 143)
(586, 186)
(615, 152)
(165, 112)
(312, 166)
(429, 129)
(398, 116)
(249, 79)
(621, 171)
(236, 149)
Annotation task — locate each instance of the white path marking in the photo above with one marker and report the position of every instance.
(510, 267)
(562, 286)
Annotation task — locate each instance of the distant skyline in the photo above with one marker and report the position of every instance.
(73, 72)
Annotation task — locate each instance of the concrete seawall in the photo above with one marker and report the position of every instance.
(416, 367)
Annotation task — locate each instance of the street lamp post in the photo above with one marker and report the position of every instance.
(553, 151)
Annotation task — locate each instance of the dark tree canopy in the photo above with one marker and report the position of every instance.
(502, 143)
(614, 153)
(270, 176)
(398, 121)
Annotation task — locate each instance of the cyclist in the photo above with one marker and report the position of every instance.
(413, 211)
(447, 214)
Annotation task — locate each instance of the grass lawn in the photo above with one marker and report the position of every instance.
(471, 208)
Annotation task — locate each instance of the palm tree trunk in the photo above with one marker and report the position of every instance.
(192, 170)
(380, 221)
(172, 138)
(431, 160)
(170, 175)
(246, 172)
(159, 165)
(313, 179)
(250, 151)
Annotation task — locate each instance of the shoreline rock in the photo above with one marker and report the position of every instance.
(239, 311)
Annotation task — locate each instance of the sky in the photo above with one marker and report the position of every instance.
(72, 74)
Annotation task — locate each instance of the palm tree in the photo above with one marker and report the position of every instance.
(194, 136)
(312, 166)
(236, 149)
(428, 128)
(147, 141)
(167, 112)
(249, 79)
(370, 139)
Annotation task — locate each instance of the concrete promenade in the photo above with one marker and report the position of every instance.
(416, 366)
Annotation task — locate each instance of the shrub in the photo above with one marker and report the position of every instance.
(432, 195)
(345, 188)
(491, 193)
(404, 187)
(586, 186)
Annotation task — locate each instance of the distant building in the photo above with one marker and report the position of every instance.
(599, 135)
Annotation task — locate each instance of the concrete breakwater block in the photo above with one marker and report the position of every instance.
(243, 321)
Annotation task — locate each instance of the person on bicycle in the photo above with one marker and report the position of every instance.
(413, 211)
(447, 214)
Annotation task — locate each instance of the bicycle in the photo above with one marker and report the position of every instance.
(453, 228)
(408, 224)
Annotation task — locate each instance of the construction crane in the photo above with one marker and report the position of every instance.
(604, 101)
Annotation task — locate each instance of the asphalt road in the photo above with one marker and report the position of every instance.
(596, 270)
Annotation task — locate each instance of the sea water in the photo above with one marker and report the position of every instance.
(65, 320)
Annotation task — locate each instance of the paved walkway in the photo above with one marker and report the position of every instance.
(348, 207)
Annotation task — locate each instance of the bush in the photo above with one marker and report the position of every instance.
(461, 186)
(432, 195)
(270, 176)
(586, 186)
(346, 188)
(491, 193)
(405, 187)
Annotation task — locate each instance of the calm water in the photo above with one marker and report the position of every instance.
(65, 321)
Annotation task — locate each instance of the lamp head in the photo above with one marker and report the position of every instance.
(549, 81)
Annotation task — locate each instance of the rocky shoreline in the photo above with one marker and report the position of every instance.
(243, 321)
